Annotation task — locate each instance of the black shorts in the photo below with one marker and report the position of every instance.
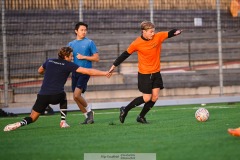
(44, 100)
(147, 82)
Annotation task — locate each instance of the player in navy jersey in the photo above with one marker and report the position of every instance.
(84, 53)
(56, 72)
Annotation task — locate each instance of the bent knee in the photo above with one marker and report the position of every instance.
(154, 98)
(76, 97)
(147, 99)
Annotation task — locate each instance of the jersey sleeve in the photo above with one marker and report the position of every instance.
(162, 36)
(131, 48)
(69, 44)
(72, 66)
(93, 47)
(44, 65)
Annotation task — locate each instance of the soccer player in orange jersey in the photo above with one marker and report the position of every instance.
(148, 47)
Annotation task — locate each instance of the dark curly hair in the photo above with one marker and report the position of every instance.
(64, 51)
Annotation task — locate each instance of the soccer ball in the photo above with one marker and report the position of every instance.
(202, 114)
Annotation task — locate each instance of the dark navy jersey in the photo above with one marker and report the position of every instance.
(55, 76)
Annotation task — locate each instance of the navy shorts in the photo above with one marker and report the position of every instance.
(44, 100)
(80, 81)
(147, 82)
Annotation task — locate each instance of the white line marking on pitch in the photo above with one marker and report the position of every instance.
(207, 107)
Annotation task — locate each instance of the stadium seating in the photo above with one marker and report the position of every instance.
(42, 33)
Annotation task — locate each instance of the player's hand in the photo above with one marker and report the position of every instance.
(79, 56)
(108, 74)
(111, 69)
(178, 32)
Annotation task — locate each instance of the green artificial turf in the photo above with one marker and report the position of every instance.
(173, 134)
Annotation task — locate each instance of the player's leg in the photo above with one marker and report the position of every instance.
(144, 86)
(63, 111)
(90, 114)
(62, 100)
(25, 121)
(80, 88)
(39, 106)
(124, 110)
(157, 84)
(77, 91)
(81, 102)
(148, 105)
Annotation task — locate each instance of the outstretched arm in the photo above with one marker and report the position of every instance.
(174, 32)
(93, 72)
(119, 60)
(112, 69)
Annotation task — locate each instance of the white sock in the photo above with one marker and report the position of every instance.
(85, 114)
(89, 108)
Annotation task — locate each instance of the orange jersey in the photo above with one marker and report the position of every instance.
(149, 52)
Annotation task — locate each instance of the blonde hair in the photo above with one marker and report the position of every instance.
(145, 25)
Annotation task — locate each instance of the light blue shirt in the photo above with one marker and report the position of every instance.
(85, 47)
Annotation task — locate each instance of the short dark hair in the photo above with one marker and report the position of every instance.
(80, 24)
(64, 51)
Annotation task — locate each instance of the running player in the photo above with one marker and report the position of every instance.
(148, 46)
(84, 53)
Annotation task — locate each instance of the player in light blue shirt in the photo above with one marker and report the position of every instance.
(84, 53)
(83, 49)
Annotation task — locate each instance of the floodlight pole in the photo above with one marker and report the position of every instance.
(80, 11)
(219, 47)
(4, 50)
(151, 4)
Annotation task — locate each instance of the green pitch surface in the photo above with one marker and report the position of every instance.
(173, 134)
